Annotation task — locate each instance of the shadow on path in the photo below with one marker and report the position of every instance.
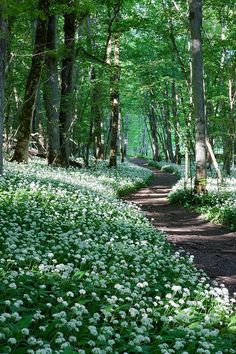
(213, 247)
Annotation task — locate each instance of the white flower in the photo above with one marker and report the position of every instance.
(177, 288)
(12, 340)
(70, 294)
(12, 285)
(93, 330)
(25, 331)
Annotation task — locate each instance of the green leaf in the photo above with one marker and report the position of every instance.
(79, 274)
(24, 322)
(69, 350)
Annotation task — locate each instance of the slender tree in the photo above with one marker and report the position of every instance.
(32, 84)
(153, 130)
(176, 122)
(51, 92)
(195, 18)
(96, 113)
(67, 85)
(96, 90)
(167, 125)
(115, 98)
(3, 31)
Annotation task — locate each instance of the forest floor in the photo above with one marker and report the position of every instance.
(213, 247)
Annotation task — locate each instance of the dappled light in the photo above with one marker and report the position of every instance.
(213, 247)
(117, 177)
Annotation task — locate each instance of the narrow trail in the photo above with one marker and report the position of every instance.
(213, 247)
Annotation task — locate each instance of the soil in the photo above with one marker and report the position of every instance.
(213, 247)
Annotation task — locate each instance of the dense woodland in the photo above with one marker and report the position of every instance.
(100, 78)
(84, 86)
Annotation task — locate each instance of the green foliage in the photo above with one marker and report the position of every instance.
(216, 206)
(167, 167)
(82, 272)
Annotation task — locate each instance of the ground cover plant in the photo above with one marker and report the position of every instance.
(167, 167)
(83, 272)
(218, 204)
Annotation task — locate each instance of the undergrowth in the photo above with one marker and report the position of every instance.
(83, 272)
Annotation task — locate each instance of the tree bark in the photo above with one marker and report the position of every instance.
(67, 88)
(125, 137)
(229, 140)
(153, 129)
(3, 32)
(168, 125)
(215, 164)
(177, 157)
(114, 99)
(195, 17)
(51, 93)
(96, 90)
(26, 115)
(96, 114)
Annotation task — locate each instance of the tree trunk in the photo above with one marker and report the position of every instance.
(126, 135)
(195, 17)
(26, 116)
(96, 90)
(3, 31)
(153, 128)
(114, 98)
(51, 93)
(176, 124)
(230, 137)
(96, 114)
(66, 106)
(213, 159)
(168, 125)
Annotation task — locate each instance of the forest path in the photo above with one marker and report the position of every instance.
(213, 247)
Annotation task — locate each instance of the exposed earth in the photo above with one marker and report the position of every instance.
(213, 247)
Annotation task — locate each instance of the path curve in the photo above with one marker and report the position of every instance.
(213, 247)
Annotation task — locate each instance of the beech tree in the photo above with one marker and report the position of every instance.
(32, 84)
(67, 85)
(51, 92)
(3, 33)
(195, 18)
(115, 93)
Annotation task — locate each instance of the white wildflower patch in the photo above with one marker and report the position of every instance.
(83, 272)
(218, 204)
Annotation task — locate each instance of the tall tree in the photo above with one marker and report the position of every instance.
(175, 122)
(32, 84)
(96, 90)
(154, 133)
(96, 112)
(167, 124)
(195, 18)
(51, 92)
(3, 31)
(115, 98)
(67, 85)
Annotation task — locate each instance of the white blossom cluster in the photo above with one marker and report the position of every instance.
(219, 204)
(83, 272)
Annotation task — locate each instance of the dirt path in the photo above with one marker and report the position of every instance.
(213, 247)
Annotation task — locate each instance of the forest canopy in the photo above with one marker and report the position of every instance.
(103, 78)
